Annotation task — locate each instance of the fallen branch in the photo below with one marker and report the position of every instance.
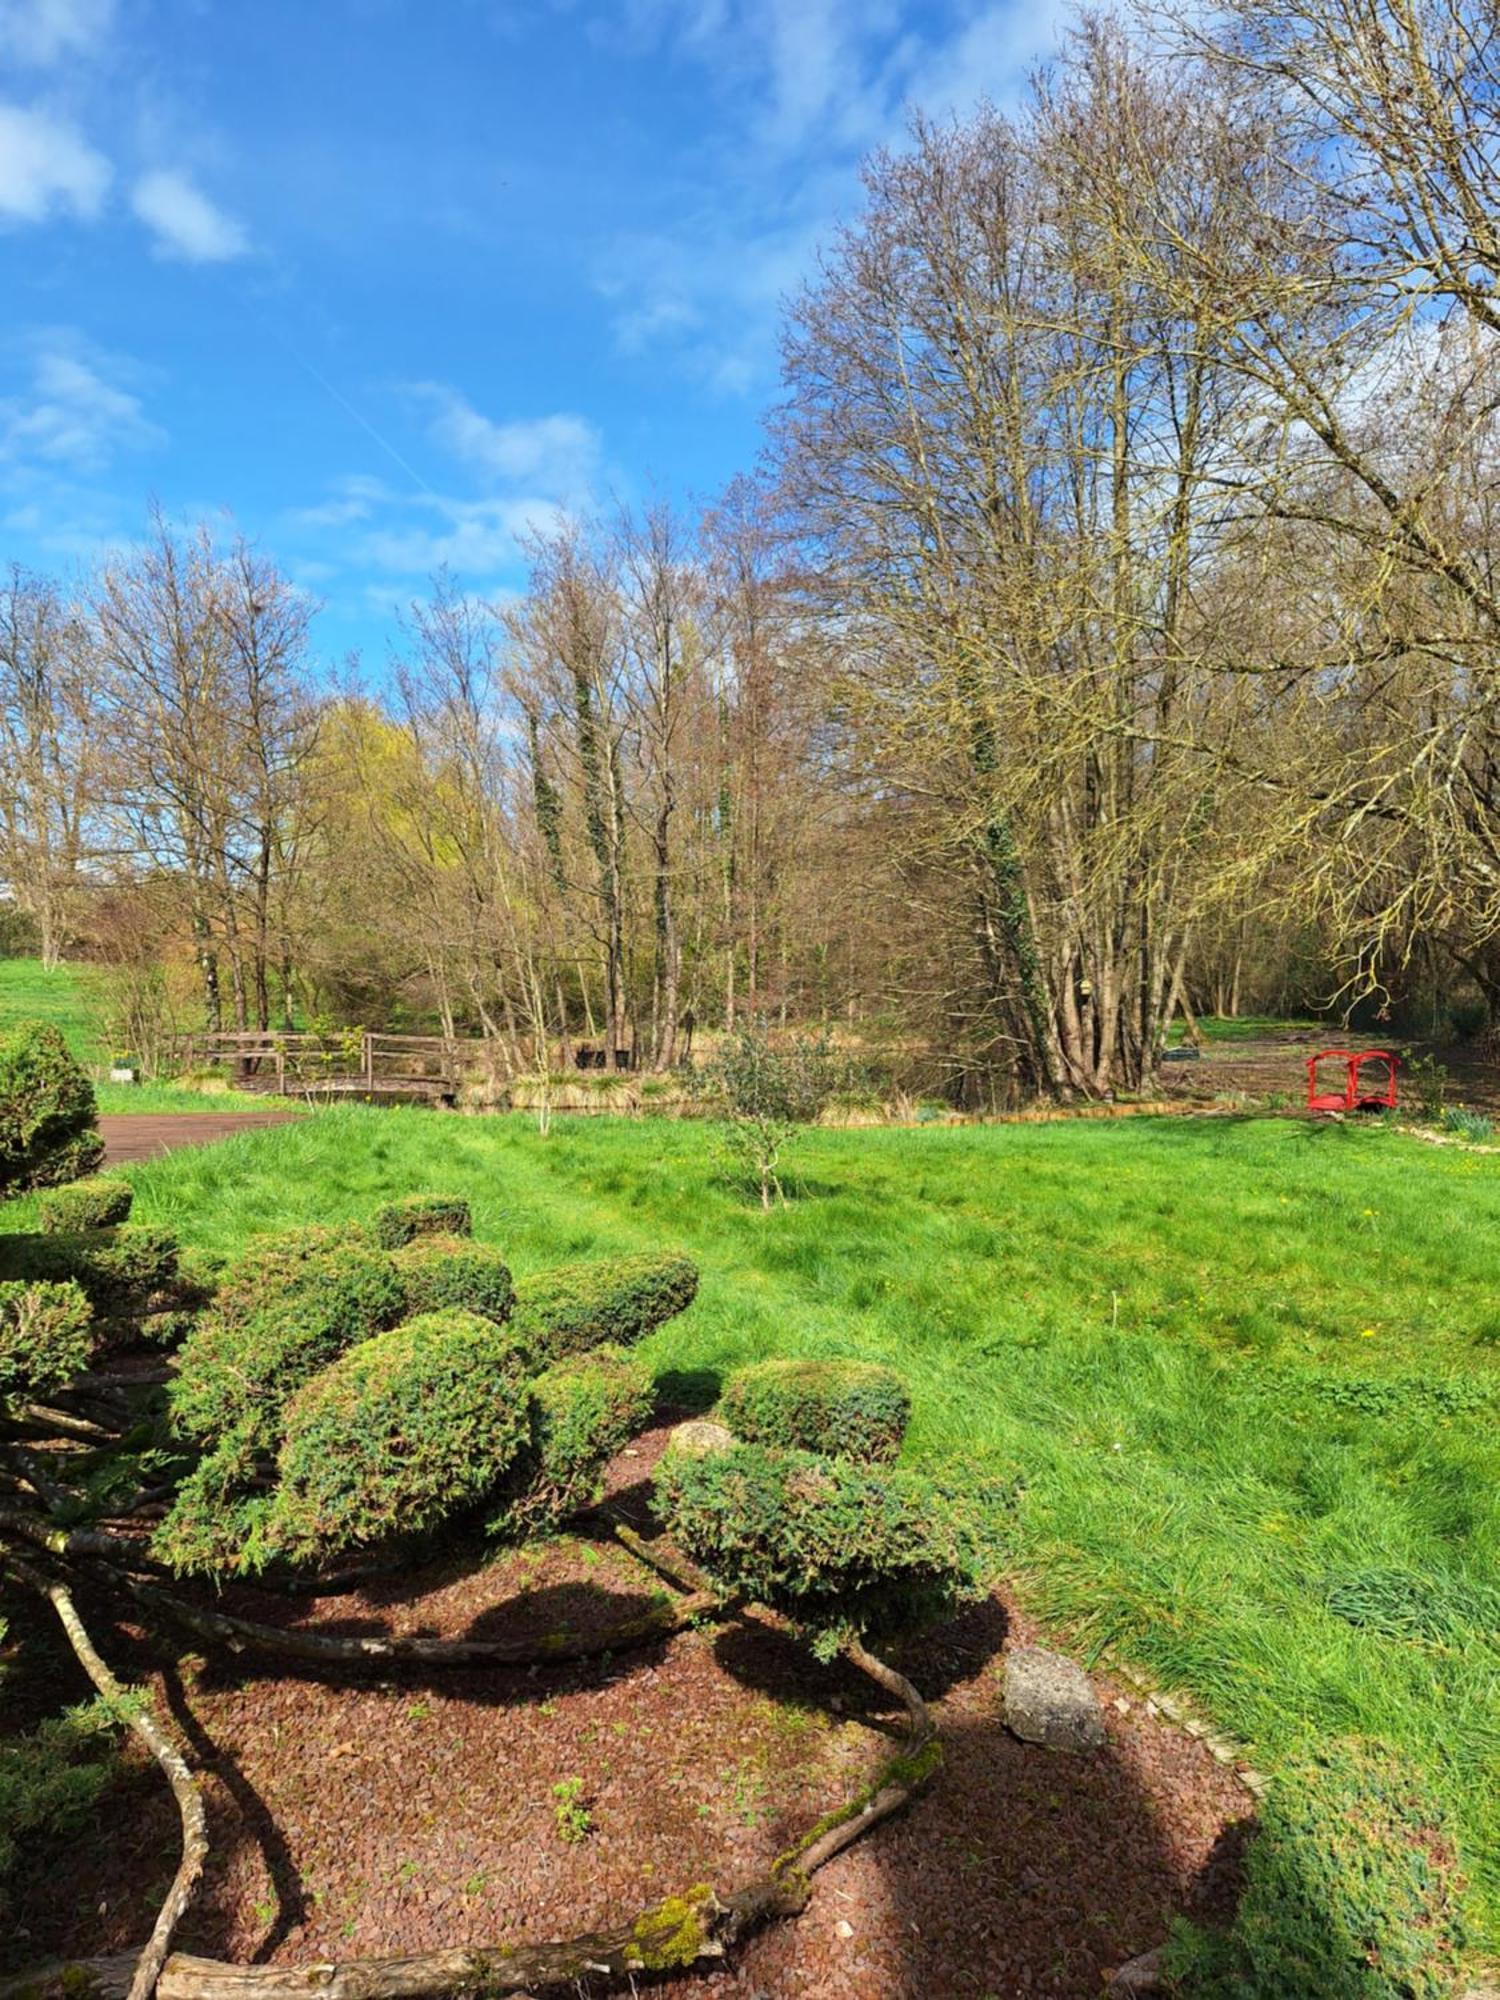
(78, 1541)
(59, 1423)
(667, 1562)
(138, 1718)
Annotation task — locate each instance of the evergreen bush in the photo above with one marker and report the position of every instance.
(578, 1306)
(399, 1222)
(119, 1271)
(580, 1414)
(46, 1335)
(841, 1549)
(47, 1112)
(846, 1409)
(442, 1273)
(90, 1204)
(401, 1431)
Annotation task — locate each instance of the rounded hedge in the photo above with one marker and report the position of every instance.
(839, 1548)
(119, 1271)
(453, 1273)
(46, 1337)
(90, 1204)
(575, 1307)
(417, 1215)
(47, 1112)
(847, 1409)
(398, 1433)
(580, 1414)
(284, 1309)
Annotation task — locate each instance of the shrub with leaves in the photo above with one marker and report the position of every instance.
(51, 1779)
(443, 1273)
(285, 1308)
(1352, 1891)
(843, 1550)
(47, 1112)
(398, 1433)
(616, 1301)
(119, 1271)
(46, 1336)
(580, 1414)
(846, 1409)
(764, 1088)
(216, 1525)
(416, 1215)
(92, 1204)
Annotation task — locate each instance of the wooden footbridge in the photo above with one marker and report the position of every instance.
(422, 1069)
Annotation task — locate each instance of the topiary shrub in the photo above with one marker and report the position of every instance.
(1352, 1891)
(284, 1309)
(91, 1204)
(47, 1112)
(578, 1306)
(581, 1413)
(847, 1409)
(416, 1215)
(842, 1550)
(397, 1433)
(119, 1271)
(46, 1337)
(453, 1273)
(216, 1525)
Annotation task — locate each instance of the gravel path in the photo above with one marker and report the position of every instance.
(146, 1135)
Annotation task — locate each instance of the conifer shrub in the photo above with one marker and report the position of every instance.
(46, 1337)
(47, 1112)
(119, 1271)
(399, 1222)
(616, 1302)
(92, 1204)
(285, 1307)
(217, 1521)
(845, 1409)
(1352, 1891)
(401, 1431)
(840, 1548)
(443, 1273)
(580, 1414)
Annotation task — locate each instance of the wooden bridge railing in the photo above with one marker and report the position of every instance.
(346, 1063)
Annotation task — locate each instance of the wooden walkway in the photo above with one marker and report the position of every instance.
(147, 1135)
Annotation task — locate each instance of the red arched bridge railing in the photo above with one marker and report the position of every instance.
(1366, 1080)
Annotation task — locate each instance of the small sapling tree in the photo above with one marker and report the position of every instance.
(765, 1088)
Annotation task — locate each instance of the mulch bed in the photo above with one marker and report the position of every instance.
(404, 1811)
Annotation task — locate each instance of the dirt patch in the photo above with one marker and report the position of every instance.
(400, 1812)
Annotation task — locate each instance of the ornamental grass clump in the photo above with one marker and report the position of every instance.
(580, 1414)
(400, 1432)
(1352, 1891)
(578, 1306)
(414, 1215)
(92, 1204)
(846, 1552)
(453, 1273)
(845, 1409)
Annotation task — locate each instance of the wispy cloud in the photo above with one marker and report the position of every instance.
(36, 34)
(556, 455)
(184, 223)
(47, 168)
(76, 411)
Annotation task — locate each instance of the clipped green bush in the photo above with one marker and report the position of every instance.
(284, 1309)
(416, 1215)
(90, 1204)
(399, 1432)
(216, 1525)
(578, 1306)
(46, 1336)
(1352, 1891)
(839, 1548)
(119, 1271)
(453, 1273)
(847, 1409)
(580, 1414)
(47, 1112)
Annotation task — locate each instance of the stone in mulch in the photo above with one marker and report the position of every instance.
(1051, 1701)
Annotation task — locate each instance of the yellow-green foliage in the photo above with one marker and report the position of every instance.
(580, 1414)
(849, 1409)
(398, 1433)
(119, 1271)
(672, 1934)
(415, 1215)
(453, 1273)
(578, 1306)
(92, 1204)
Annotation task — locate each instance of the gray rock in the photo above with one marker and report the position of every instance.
(700, 1436)
(1140, 1977)
(1049, 1700)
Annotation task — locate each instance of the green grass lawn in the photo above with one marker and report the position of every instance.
(1246, 1371)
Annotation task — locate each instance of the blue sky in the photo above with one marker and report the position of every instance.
(385, 282)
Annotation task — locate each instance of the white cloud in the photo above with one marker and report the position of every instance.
(476, 539)
(75, 411)
(47, 168)
(184, 222)
(38, 33)
(556, 455)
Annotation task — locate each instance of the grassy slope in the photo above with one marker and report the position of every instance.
(61, 995)
(1136, 1316)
